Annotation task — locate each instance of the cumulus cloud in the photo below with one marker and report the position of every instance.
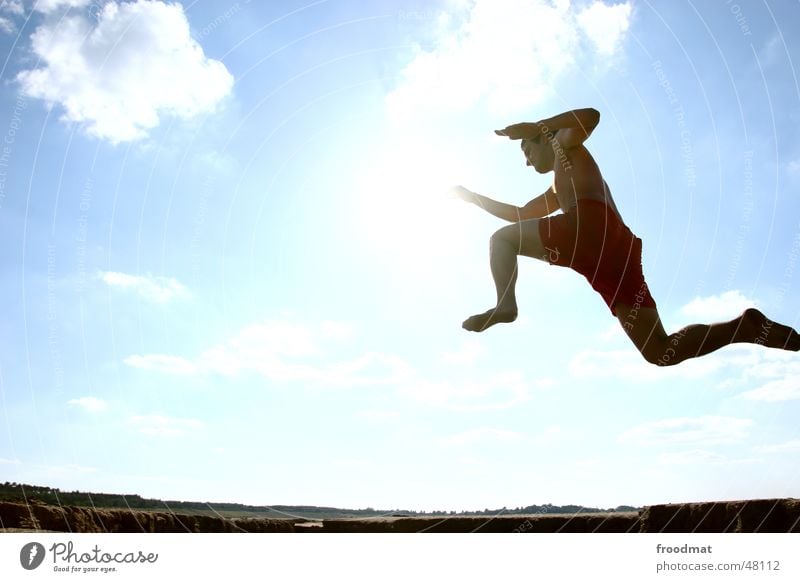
(165, 426)
(699, 430)
(724, 306)
(788, 447)
(480, 436)
(48, 6)
(506, 52)
(775, 391)
(161, 363)
(13, 7)
(605, 26)
(629, 365)
(157, 289)
(691, 457)
(117, 74)
(286, 351)
(282, 351)
(773, 372)
(498, 392)
(89, 403)
(10, 8)
(470, 351)
(337, 330)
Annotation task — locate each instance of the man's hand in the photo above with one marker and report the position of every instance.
(507, 212)
(462, 194)
(575, 127)
(525, 130)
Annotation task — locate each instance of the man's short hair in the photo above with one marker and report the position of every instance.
(533, 140)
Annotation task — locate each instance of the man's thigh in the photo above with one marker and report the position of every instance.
(524, 237)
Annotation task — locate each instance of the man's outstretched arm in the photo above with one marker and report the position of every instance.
(539, 207)
(573, 127)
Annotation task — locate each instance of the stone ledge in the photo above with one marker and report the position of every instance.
(760, 515)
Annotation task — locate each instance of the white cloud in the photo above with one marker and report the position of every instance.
(161, 363)
(605, 26)
(499, 392)
(337, 330)
(748, 360)
(265, 348)
(793, 167)
(775, 391)
(771, 51)
(378, 415)
(158, 425)
(625, 363)
(470, 351)
(285, 351)
(14, 7)
(372, 368)
(611, 334)
(282, 351)
(506, 52)
(692, 457)
(629, 365)
(716, 308)
(781, 448)
(10, 461)
(118, 74)
(699, 430)
(48, 6)
(770, 363)
(481, 435)
(89, 403)
(157, 289)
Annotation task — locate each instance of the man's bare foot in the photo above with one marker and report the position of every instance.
(483, 321)
(758, 329)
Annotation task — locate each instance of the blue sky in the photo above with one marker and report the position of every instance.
(230, 272)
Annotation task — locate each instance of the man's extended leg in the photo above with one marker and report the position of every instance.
(520, 238)
(644, 328)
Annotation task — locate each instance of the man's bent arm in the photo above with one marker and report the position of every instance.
(584, 119)
(502, 210)
(539, 207)
(580, 122)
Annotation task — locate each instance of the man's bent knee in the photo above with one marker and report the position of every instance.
(523, 237)
(507, 234)
(660, 355)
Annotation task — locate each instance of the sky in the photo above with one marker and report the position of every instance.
(231, 273)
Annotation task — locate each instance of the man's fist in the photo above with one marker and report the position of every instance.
(462, 193)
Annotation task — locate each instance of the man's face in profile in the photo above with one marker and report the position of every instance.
(537, 154)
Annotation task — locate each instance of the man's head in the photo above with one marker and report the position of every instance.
(539, 153)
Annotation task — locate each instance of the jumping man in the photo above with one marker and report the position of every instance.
(591, 238)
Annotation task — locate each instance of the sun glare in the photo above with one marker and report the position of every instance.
(407, 212)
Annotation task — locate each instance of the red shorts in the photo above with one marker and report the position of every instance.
(593, 241)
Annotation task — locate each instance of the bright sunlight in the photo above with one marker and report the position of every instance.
(406, 210)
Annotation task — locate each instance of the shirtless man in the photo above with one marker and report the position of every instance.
(591, 238)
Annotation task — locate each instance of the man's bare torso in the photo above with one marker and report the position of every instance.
(578, 177)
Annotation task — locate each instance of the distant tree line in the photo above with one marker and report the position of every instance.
(20, 492)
